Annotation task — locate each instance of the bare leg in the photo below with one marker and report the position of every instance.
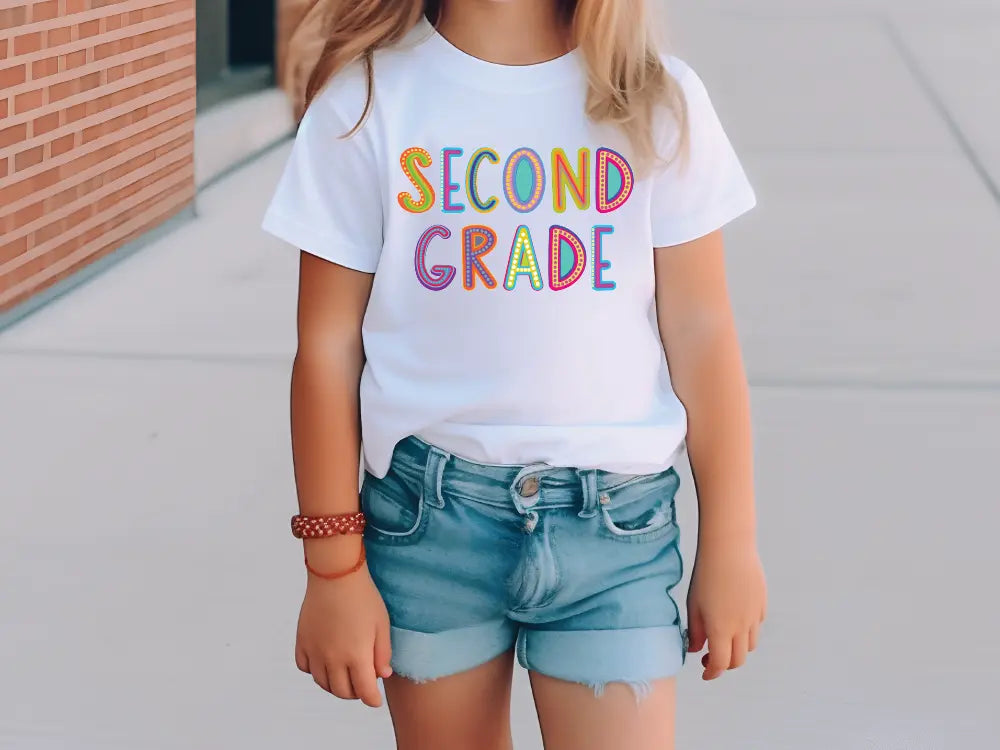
(572, 717)
(465, 711)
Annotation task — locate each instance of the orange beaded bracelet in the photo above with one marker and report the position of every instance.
(311, 527)
(317, 527)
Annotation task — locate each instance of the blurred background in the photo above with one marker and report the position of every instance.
(148, 585)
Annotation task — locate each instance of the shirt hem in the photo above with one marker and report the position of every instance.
(348, 254)
(707, 222)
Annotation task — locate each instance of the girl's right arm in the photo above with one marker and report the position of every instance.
(343, 630)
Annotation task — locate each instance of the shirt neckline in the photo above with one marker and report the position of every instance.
(479, 73)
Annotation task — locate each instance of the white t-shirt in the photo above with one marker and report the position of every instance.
(512, 317)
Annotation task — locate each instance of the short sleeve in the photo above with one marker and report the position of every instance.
(705, 189)
(328, 201)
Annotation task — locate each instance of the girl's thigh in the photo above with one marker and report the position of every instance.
(572, 717)
(467, 710)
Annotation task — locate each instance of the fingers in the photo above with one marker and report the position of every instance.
(319, 675)
(365, 683)
(334, 680)
(696, 630)
(719, 656)
(739, 650)
(350, 681)
(383, 650)
(340, 682)
(301, 660)
(752, 637)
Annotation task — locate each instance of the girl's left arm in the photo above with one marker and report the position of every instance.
(727, 596)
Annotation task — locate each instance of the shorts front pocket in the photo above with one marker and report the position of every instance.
(641, 511)
(394, 512)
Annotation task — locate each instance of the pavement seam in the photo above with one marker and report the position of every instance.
(935, 99)
(244, 359)
(839, 384)
(898, 386)
(244, 161)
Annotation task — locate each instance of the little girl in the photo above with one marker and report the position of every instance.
(510, 217)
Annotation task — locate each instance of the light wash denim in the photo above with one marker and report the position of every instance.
(574, 567)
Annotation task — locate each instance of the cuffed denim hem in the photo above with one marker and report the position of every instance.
(428, 656)
(635, 656)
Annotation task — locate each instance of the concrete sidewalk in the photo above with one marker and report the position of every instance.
(148, 409)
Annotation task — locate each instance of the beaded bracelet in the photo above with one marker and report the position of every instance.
(312, 527)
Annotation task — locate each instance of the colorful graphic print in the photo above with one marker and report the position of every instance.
(522, 260)
(523, 179)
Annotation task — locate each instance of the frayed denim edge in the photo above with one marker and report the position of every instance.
(413, 678)
(641, 689)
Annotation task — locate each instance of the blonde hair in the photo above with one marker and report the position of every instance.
(628, 82)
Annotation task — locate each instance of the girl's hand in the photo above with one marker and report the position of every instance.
(727, 602)
(343, 632)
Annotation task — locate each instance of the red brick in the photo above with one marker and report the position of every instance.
(11, 17)
(94, 132)
(132, 164)
(29, 158)
(49, 232)
(61, 145)
(150, 62)
(76, 112)
(60, 91)
(56, 37)
(26, 271)
(47, 67)
(75, 59)
(45, 123)
(27, 43)
(12, 76)
(14, 134)
(107, 49)
(3, 49)
(35, 184)
(28, 100)
(90, 28)
(3, 107)
(3, 168)
(11, 250)
(168, 102)
(178, 52)
(169, 125)
(63, 197)
(79, 216)
(29, 214)
(45, 10)
(77, 6)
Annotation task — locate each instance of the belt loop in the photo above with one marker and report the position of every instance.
(433, 474)
(588, 480)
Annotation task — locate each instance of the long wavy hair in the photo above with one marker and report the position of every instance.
(628, 82)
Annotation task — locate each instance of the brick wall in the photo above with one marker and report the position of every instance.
(97, 104)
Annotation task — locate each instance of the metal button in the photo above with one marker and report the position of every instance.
(531, 522)
(529, 487)
(604, 499)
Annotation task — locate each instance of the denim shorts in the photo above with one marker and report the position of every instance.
(572, 567)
